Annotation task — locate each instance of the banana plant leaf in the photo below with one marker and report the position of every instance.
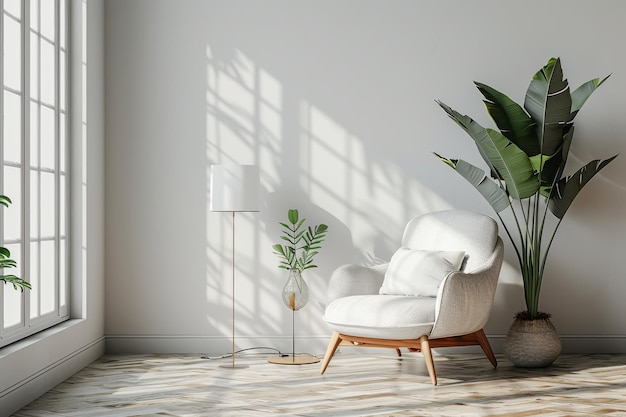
(566, 189)
(511, 119)
(582, 93)
(508, 160)
(495, 196)
(549, 103)
(554, 167)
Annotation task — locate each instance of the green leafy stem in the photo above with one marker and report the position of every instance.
(303, 243)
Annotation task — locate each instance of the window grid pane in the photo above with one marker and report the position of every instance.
(34, 15)
(47, 136)
(12, 218)
(34, 205)
(12, 127)
(33, 102)
(13, 7)
(13, 301)
(34, 66)
(35, 293)
(47, 277)
(46, 19)
(47, 72)
(12, 53)
(62, 273)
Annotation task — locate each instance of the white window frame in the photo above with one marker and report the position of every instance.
(32, 320)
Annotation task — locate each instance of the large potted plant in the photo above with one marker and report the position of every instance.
(7, 262)
(526, 160)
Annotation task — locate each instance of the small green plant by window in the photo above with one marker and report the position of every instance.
(7, 262)
(302, 245)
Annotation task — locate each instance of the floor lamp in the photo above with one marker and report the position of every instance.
(234, 188)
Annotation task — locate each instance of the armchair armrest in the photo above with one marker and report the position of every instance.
(464, 300)
(352, 279)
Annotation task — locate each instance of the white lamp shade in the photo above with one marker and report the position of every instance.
(234, 188)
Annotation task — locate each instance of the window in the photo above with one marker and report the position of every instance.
(34, 163)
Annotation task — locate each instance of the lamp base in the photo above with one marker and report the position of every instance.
(303, 359)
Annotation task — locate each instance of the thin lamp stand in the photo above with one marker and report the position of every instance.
(234, 188)
(232, 365)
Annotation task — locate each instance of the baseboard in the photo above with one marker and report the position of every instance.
(316, 345)
(593, 343)
(30, 388)
(583, 344)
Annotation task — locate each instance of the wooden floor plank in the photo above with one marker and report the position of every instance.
(353, 385)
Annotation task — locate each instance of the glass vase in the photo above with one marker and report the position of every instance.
(295, 292)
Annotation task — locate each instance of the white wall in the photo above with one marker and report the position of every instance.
(31, 367)
(335, 102)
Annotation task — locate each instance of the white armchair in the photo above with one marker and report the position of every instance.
(437, 290)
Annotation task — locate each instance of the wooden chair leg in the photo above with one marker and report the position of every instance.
(335, 340)
(428, 357)
(484, 343)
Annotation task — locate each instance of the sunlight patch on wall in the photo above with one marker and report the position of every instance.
(308, 160)
(373, 197)
(244, 126)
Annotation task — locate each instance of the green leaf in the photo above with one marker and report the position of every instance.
(511, 119)
(18, 283)
(292, 215)
(495, 196)
(566, 189)
(299, 235)
(582, 93)
(287, 238)
(554, 167)
(506, 158)
(549, 103)
(538, 161)
(5, 201)
(7, 263)
(278, 248)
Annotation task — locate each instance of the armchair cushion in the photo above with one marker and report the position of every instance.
(419, 272)
(382, 316)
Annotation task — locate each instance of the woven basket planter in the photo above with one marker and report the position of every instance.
(532, 343)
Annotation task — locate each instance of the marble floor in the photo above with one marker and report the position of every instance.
(369, 384)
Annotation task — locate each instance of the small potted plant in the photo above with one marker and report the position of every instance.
(302, 244)
(7, 262)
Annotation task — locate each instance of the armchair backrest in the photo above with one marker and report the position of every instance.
(474, 233)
